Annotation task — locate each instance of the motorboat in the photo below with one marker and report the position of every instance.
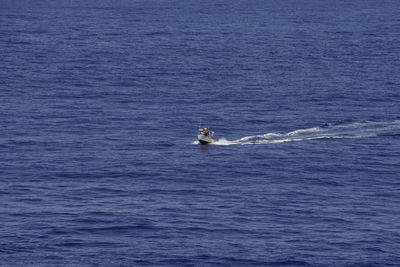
(205, 136)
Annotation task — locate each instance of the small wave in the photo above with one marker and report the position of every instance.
(339, 131)
(309, 130)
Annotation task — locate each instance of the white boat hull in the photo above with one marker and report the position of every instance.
(204, 139)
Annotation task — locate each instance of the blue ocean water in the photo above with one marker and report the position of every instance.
(100, 102)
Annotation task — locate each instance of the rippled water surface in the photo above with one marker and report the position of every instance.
(101, 101)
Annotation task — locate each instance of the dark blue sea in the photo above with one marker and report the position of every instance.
(100, 102)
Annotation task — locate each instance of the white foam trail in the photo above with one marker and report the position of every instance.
(352, 130)
(223, 142)
(309, 130)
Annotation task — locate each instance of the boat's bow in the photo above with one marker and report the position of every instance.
(204, 139)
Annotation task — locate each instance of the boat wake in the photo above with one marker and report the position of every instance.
(353, 130)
